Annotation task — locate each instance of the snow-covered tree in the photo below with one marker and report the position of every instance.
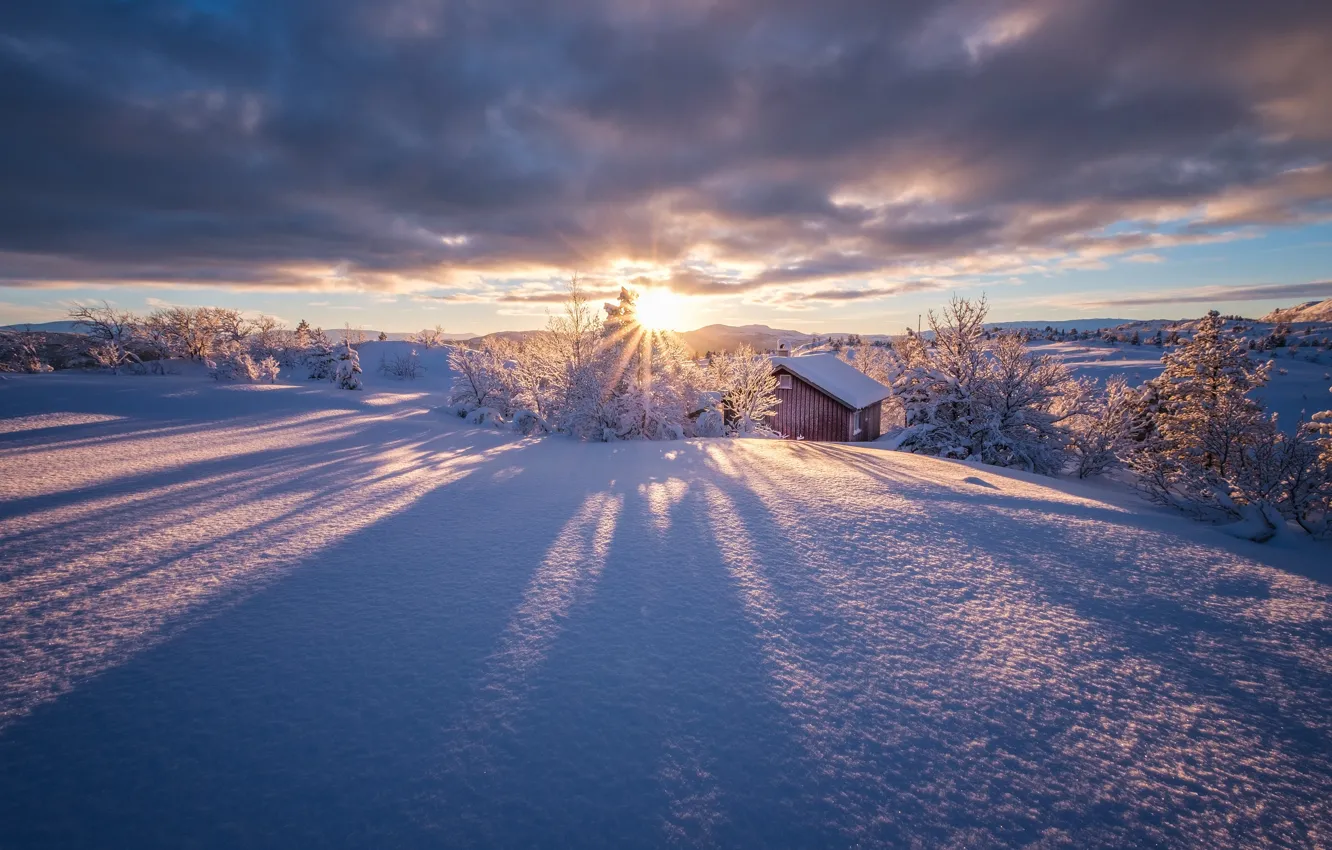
(1207, 413)
(267, 337)
(319, 356)
(227, 324)
(153, 341)
(649, 384)
(192, 331)
(481, 378)
(110, 332)
(1213, 452)
(1321, 428)
(347, 374)
(998, 403)
(232, 362)
(268, 370)
(1107, 428)
(749, 389)
(1023, 398)
(874, 360)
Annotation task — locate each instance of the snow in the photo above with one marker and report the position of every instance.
(292, 615)
(838, 379)
(1294, 394)
(434, 379)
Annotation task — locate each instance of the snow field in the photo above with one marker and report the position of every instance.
(280, 616)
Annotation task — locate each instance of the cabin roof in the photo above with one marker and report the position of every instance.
(835, 378)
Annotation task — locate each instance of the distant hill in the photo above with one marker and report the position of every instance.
(730, 337)
(1310, 311)
(65, 327)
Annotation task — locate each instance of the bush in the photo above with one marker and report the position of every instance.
(403, 367)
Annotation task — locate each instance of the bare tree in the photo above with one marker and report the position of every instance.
(230, 325)
(429, 337)
(192, 330)
(577, 328)
(111, 331)
(267, 332)
(353, 336)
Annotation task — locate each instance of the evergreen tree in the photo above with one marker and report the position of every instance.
(319, 355)
(1208, 415)
(348, 373)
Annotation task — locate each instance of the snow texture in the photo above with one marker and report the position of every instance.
(837, 378)
(289, 616)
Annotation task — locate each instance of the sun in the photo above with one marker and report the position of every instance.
(660, 310)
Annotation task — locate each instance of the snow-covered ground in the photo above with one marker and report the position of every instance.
(251, 616)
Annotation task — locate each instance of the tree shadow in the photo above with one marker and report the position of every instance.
(306, 713)
(1017, 641)
(652, 719)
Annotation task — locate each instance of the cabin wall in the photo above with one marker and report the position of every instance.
(806, 412)
(873, 419)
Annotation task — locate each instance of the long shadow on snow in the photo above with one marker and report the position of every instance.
(1149, 624)
(652, 720)
(309, 714)
(195, 469)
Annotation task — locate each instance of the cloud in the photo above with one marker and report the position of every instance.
(744, 147)
(1223, 294)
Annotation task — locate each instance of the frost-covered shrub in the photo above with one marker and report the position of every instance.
(403, 367)
(233, 363)
(485, 416)
(268, 369)
(23, 351)
(482, 378)
(528, 423)
(110, 354)
(1106, 428)
(347, 373)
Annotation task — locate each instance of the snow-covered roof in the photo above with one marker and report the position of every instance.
(840, 380)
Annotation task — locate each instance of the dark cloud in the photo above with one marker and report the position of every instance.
(411, 143)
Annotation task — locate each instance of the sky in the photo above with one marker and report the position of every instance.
(838, 166)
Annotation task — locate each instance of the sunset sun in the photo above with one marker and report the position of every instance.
(660, 310)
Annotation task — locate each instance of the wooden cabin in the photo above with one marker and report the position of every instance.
(826, 400)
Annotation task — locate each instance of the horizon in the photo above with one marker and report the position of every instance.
(839, 169)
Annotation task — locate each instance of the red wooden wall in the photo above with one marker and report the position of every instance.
(873, 419)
